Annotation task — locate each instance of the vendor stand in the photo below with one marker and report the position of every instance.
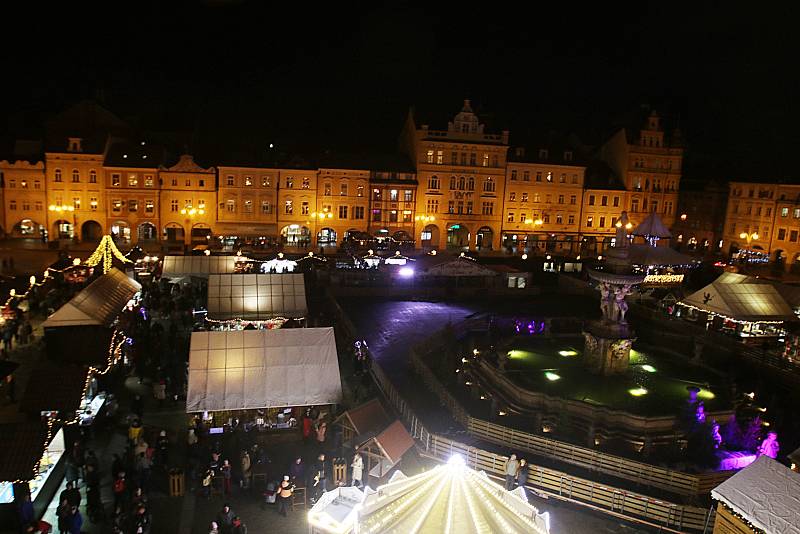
(30, 463)
(385, 450)
(369, 417)
(261, 378)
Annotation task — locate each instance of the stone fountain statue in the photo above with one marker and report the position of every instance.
(609, 339)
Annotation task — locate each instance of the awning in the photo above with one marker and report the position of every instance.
(248, 369)
(766, 494)
(98, 304)
(256, 296)
(202, 266)
(742, 301)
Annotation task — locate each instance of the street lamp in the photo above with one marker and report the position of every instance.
(320, 216)
(749, 237)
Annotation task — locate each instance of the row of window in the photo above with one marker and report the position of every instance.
(463, 183)
(782, 235)
(247, 206)
(356, 212)
(393, 196)
(76, 176)
(393, 215)
(249, 181)
(526, 177)
(601, 221)
(785, 212)
(748, 210)
(459, 206)
(669, 185)
(667, 207)
(573, 199)
(641, 163)
(545, 218)
(751, 192)
(23, 184)
(603, 201)
(133, 206)
(133, 180)
(463, 158)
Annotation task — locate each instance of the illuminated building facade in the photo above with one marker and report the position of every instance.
(461, 176)
(187, 202)
(543, 196)
(247, 204)
(649, 163)
(24, 198)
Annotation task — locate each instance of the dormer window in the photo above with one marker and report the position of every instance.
(74, 144)
(543, 153)
(568, 155)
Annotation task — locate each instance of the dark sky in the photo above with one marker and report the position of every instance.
(342, 76)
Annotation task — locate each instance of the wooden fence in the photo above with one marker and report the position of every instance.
(639, 508)
(639, 472)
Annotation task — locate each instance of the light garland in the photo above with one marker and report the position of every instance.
(726, 317)
(238, 321)
(742, 518)
(105, 251)
(37, 466)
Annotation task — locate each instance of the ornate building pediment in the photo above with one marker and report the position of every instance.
(187, 164)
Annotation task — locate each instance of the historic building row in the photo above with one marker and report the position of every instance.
(456, 186)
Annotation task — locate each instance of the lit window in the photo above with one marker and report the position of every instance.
(343, 190)
(248, 180)
(589, 221)
(327, 189)
(115, 179)
(133, 180)
(304, 208)
(116, 205)
(133, 205)
(93, 203)
(306, 183)
(266, 207)
(360, 191)
(288, 207)
(148, 180)
(248, 205)
(393, 195)
(149, 206)
(230, 205)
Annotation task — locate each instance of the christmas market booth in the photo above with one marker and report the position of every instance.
(368, 418)
(748, 307)
(450, 498)
(254, 299)
(183, 268)
(81, 330)
(261, 378)
(31, 463)
(763, 497)
(384, 450)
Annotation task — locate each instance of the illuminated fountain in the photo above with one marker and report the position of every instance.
(608, 340)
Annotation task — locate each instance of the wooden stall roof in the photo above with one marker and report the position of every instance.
(23, 445)
(365, 418)
(393, 442)
(54, 387)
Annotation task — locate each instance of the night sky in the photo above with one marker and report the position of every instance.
(334, 76)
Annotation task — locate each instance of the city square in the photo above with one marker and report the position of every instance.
(265, 268)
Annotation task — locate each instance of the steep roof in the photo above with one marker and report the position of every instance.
(652, 226)
(366, 417)
(23, 445)
(57, 387)
(98, 304)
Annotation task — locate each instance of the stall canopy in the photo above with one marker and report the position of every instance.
(23, 445)
(447, 499)
(199, 266)
(386, 449)
(256, 296)
(766, 494)
(57, 387)
(246, 369)
(98, 304)
(742, 301)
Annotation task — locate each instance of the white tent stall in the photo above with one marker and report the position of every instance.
(451, 498)
(263, 369)
(256, 296)
(766, 495)
(198, 266)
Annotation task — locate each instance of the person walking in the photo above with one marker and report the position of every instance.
(285, 492)
(358, 469)
(511, 471)
(238, 526)
(214, 528)
(226, 478)
(297, 472)
(320, 478)
(208, 480)
(307, 426)
(246, 469)
(26, 510)
(76, 521)
(163, 449)
(322, 429)
(522, 473)
(225, 519)
(120, 488)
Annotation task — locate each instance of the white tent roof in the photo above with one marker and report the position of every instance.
(202, 266)
(256, 296)
(98, 304)
(766, 493)
(742, 301)
(244, 369)
(652, 226)
(336, 510)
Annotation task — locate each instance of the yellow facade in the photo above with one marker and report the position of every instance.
(601, 209)
(24, 198)
(461, 175)
(542, 205)
(343, 204)
(247, 204)
(297, 207)
(75, 190)
(650, 166)
(393, 202)
(132, 195)
(764, 218)
(187, 202)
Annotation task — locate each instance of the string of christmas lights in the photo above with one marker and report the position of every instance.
(105, 252)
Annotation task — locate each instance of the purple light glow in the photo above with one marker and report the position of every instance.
(406, 272)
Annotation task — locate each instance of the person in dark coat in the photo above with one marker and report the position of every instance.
(225, 519)
(522, 473)
(25, 511)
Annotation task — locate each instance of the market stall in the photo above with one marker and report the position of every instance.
(369, 417)
(763, 497)
(198, 266)
(741, 305)
(80, 331)
(256, 296)
(260, 374)
(31, 454)
(385, 449)
(449, 498)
